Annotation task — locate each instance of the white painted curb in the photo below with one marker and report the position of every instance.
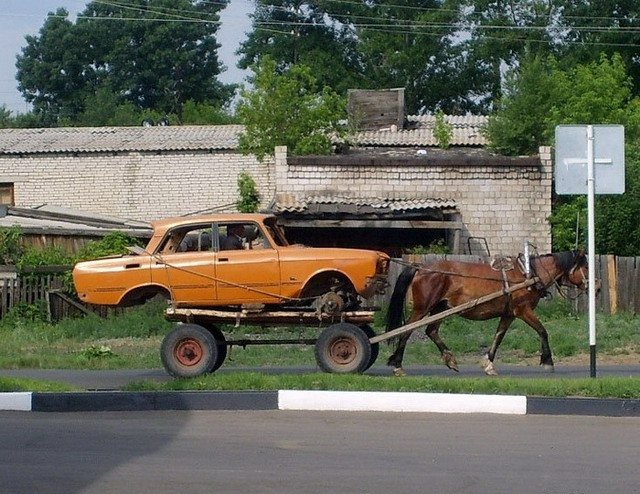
(400, 402)
(16, 401)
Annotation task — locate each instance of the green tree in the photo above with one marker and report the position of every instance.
(518, 124)
(541, 95)
(288, 109)
(153, 54)
(291, 33)
(249, 196)
(6, 120)
(603, 27)
(194, 113)
(377, 44)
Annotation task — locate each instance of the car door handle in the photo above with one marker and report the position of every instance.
(223, 259)
(131, 266)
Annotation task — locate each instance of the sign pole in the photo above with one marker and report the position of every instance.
(591, 188)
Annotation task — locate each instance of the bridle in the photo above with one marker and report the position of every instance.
(563, 280)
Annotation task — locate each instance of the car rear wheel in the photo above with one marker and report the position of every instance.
(189, 351)
(343, 348)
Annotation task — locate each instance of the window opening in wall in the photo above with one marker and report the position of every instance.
(6, 194)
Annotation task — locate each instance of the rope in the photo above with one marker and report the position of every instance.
(534, 266)
(237, 285)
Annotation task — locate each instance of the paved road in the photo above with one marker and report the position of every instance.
(311, 452)
(116, 379)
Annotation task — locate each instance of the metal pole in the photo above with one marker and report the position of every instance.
(591, 188)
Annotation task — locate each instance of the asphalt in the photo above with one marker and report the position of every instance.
(102, 392)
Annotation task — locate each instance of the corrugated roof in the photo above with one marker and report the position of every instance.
(466, 132)
(110, 139)
(292, 203)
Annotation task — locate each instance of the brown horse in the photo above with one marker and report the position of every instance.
(445, 284)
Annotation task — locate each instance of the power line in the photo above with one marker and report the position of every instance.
(385, 25)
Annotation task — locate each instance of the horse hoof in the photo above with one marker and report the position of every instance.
(450, 361)
(490, 370)
(488, 367)
(549, 368)
(399, 372)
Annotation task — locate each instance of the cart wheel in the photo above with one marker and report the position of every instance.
(221, 343)
(343, 348)
(189, 351)
(375, 348)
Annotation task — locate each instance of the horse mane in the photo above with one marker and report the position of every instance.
(565, 261)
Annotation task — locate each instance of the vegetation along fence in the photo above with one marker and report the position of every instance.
(46, 286)
(619, 276)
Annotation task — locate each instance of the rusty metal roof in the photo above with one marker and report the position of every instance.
(291, 203)
(111, 139)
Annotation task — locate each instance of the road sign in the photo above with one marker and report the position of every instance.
(590, 160)
(571, 163)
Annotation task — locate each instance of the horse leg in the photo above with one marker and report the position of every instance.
(424, 298)
(447, 355)
(503, 325)
(395, 360)
(532, 320)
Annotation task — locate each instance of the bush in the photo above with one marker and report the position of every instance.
(10, 248)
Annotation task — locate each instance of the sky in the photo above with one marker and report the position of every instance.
(19, 18)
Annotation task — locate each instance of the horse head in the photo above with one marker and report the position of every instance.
(575, 270)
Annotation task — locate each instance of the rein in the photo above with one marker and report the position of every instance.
(535, 268)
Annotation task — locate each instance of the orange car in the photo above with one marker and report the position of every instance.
(232, 260)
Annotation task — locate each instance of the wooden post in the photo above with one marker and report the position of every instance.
(613, 284)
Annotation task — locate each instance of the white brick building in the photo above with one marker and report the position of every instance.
(145, 173)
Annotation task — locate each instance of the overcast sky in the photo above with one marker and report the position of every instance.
(19, 18)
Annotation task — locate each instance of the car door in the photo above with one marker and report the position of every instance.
(250, 274)
(185, 264)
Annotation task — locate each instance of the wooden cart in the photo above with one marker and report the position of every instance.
(345, 344)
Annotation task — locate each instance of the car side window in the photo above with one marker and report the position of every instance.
(196, 238)
(241, 236)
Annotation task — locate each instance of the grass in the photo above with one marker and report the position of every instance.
(132, 341)
(12, 385)
(605, 387)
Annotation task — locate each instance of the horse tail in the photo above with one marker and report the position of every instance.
(395, 312)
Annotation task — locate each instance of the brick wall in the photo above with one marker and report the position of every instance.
(504, 204)
(137, 185)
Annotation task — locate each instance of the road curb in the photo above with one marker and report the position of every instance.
(106, 401)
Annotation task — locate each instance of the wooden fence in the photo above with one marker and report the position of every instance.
(42, 285)
(619, 276)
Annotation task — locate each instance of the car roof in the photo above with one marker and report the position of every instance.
(168, 223)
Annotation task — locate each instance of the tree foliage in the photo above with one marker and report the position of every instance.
(249, 197)
(288, 109)
(372, 45)
(542, 95)
(143, 55)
